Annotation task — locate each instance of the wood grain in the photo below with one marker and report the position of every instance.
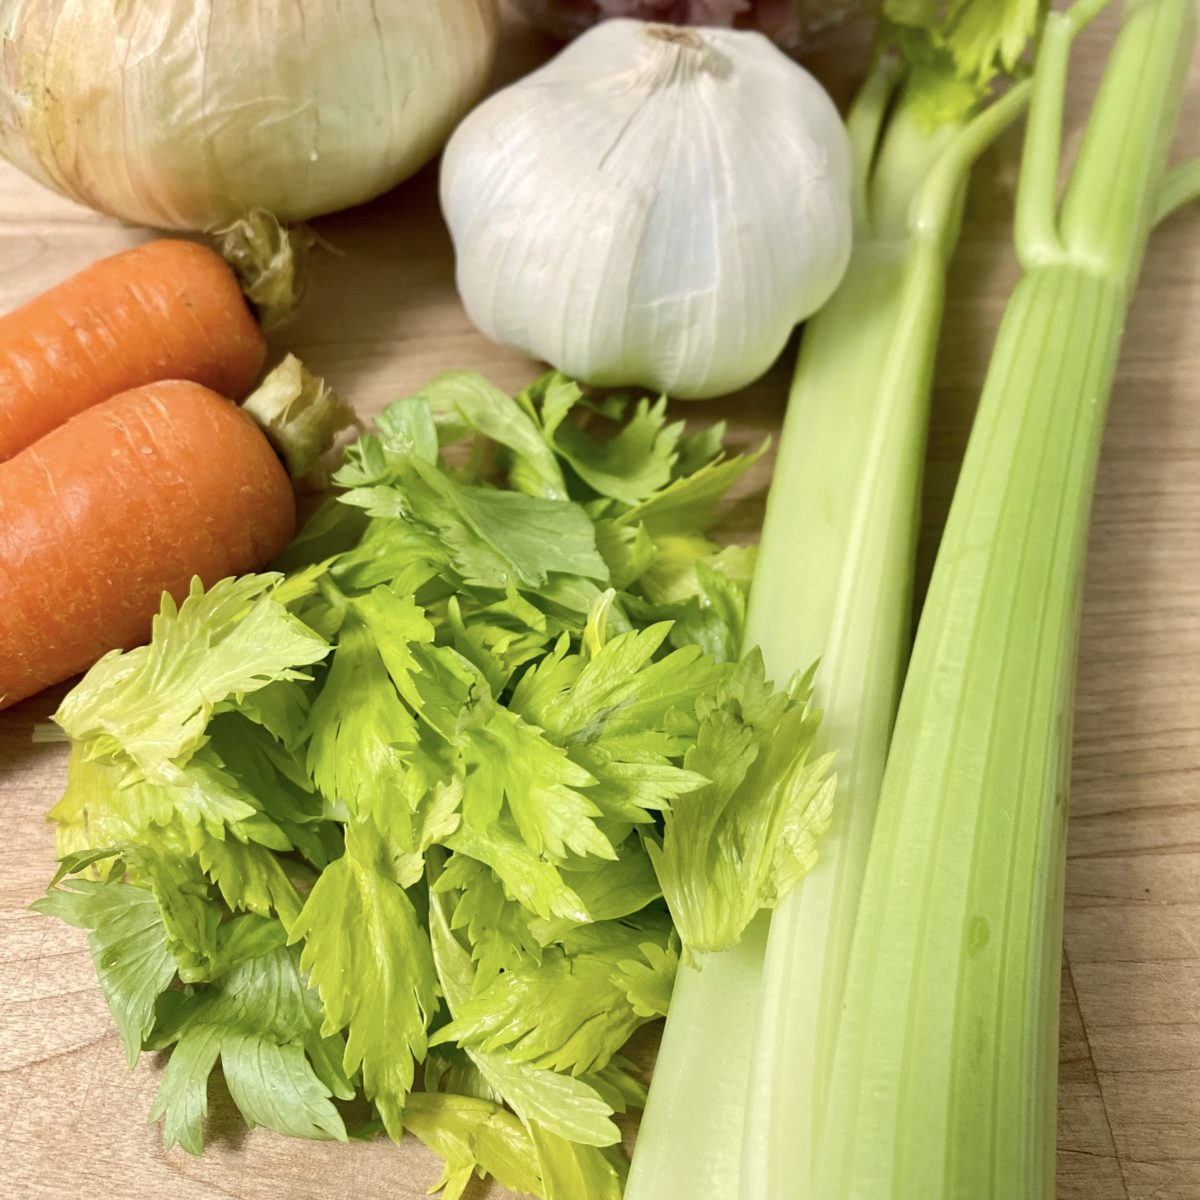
(381, 319)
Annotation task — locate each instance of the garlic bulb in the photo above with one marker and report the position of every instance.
(187, 114)
(656, 206)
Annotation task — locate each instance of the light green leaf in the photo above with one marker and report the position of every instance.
(956, 49)
(394, 552)
(571, 1171)
(528, 879)
(619, 1085)
(369, 957)
(700, 447)
(648, 981)
(181, 1102)
(281, 708)
(103, 807)
(250, 877)
(152, 704)
(628, 550)
(617, 889)
(569, 1107)
(473, 1137)
(497, 929)
(531, 537)
(275, 781)
(463, 401)
(129, 949)
(623, 691)
(512, 767)
(548, 400)
(245, 937)
(397, 625)
(190, 915)
(259, 1020)
(404, 433)
(572, 1011)
(705, 596)
(362, 734)
(631, 466)
(738, 844)
(687, 505)
(500, 637)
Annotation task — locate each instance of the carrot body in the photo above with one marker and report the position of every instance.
(125, 501)
(166, 310)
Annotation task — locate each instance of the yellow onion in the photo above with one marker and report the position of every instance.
(188, 114)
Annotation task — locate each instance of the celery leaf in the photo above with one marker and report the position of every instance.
(956, 49)
(262, 1023)
(572, 1011)
(474, 1137)
(151, 705)
(361, 734)
(570, 1171)
(568, 1107)
(129, 949)
(740, 842)
(369, 957)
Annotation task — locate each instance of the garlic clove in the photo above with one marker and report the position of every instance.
(656, 206)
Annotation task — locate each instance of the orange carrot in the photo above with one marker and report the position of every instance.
(123, 502)
(166, 310)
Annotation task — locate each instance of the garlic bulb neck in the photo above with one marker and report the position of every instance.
(675, 55)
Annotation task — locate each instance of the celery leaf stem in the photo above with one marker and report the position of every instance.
(1181, 187)
(863, 124)
(933, 205)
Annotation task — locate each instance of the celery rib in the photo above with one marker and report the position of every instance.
(854, 617)
(944, 1068)
(849, 467)
(849, 1090)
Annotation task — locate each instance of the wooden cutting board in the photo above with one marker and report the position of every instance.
(382, 318)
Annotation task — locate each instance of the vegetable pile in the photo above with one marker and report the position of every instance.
(416, 818)
(415, 829)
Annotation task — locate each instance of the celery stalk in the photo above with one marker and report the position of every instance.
(850, 463)
(689, 1139)
(943, 1080)
(857, 466)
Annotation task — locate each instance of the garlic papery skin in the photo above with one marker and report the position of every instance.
(656, 206)
(188, 114)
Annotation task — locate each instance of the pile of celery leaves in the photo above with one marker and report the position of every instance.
(427, 817)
